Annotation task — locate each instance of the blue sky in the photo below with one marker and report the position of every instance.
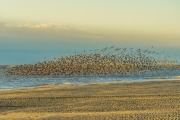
(59, 26)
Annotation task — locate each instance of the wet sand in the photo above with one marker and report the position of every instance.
(135, 100)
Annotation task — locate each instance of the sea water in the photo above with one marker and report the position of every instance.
(16, 82)
(30, 55)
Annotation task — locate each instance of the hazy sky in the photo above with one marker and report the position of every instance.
(73, 23)
(119, 19)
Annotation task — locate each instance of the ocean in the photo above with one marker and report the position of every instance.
(29, 56)
(15, 82)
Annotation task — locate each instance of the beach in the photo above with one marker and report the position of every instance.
(128, 100)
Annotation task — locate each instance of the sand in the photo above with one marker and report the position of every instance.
(134, 100)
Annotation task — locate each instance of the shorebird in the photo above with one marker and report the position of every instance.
(125, 62)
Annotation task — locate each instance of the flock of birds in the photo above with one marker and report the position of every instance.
(106, 61)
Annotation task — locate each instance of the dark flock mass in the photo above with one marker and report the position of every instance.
(106, 61)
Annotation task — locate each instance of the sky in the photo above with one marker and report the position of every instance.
(37, 27)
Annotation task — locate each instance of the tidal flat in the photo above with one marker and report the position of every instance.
(133, 100)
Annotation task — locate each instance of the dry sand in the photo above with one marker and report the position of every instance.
(137, 100)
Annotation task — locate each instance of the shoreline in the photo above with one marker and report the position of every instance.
(177, 78)
(141, 100)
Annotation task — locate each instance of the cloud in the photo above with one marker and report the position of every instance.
(52, 31)
(36, 26)
(48, 31)
(48, 25)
